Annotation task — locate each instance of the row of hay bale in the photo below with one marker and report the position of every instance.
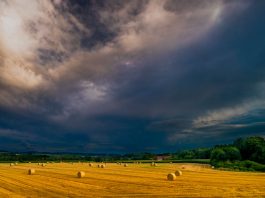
(80, 174)
(173, 176)
(101, 165)
(170, 176)
(124, 164)
(90, 164)
(119, 163)
(42, 164)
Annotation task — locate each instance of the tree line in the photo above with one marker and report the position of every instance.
(244, 153)
(250, 148)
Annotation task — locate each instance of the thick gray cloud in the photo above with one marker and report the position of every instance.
(114, 75)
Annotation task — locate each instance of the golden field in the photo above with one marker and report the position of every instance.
(136, 180)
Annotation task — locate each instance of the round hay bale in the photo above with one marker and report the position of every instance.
(125, 165)
(43, 164)
(81, 174)
(90, 164)
(31, 171)
(16, 163)
(171, 177)
(38, 163)
(178, 173)
(183, 167)
(98, 165)
(11, 164)
(102, 166)
(212, 167)
(155, 164)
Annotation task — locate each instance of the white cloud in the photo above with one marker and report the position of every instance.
(29, 29)
(19, 75)
(225, 114)
(159, 29)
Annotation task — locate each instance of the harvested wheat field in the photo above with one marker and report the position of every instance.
(136, 180)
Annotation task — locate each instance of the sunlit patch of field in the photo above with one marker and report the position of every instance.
(136, 180)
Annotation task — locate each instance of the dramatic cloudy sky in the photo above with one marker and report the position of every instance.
(122, 76)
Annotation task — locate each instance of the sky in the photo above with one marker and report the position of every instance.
(122, 76)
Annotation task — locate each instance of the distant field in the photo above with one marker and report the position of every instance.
(136, 180)
(201, 161)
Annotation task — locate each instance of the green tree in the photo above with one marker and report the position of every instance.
(252, 148)
(202, 153)
(232, 153)
(187, 154)
(218, 154)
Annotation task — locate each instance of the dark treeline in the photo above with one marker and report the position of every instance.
(242, 154)
(251, 148)
(247, 154)
(44, 157)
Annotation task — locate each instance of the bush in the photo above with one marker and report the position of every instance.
(246, 165)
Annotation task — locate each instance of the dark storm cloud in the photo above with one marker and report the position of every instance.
(124, 76)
